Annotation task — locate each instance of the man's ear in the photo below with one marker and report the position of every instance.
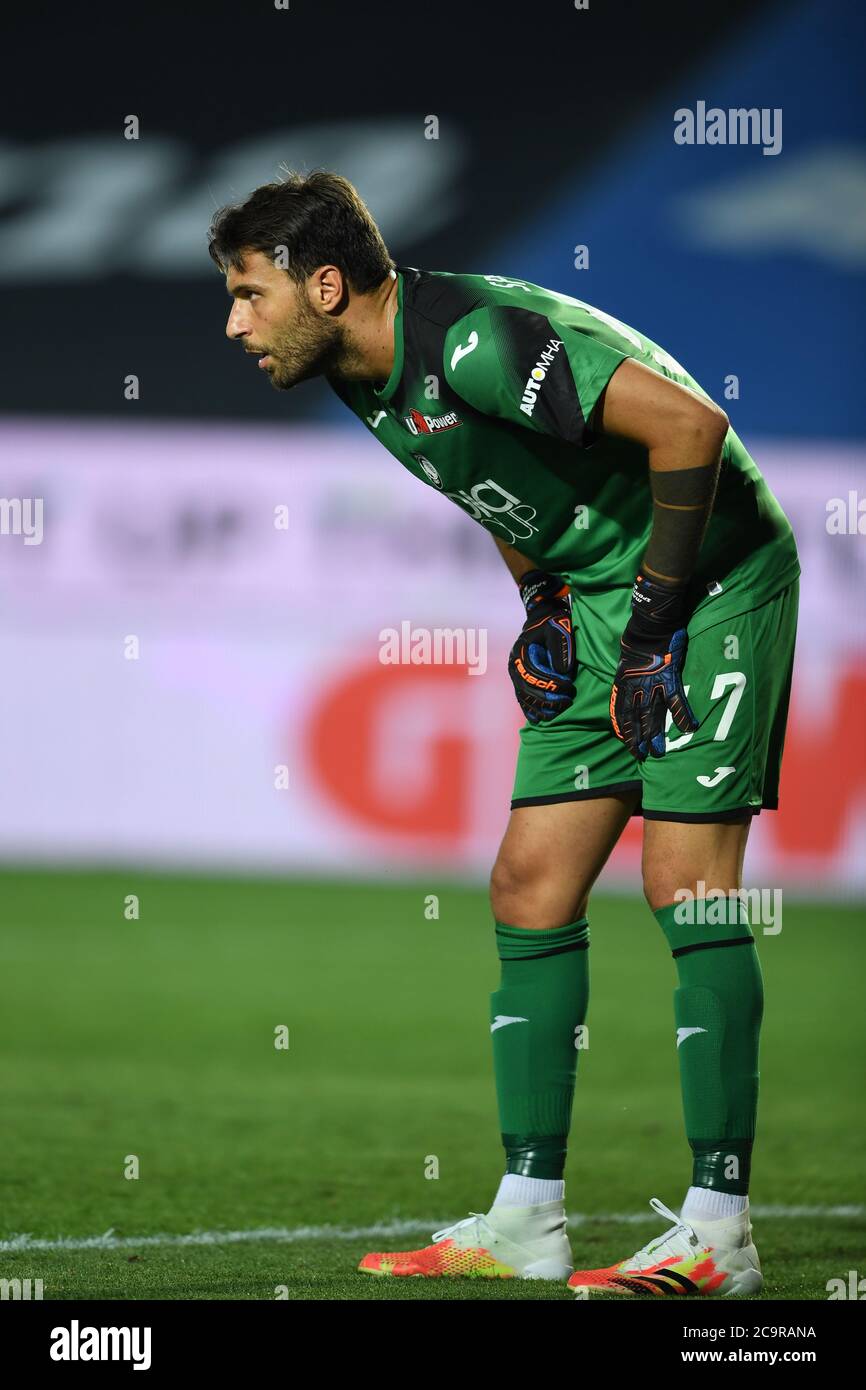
(329, 289)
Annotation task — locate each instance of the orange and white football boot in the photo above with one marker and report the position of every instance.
(707, 1258)
(507, 1243)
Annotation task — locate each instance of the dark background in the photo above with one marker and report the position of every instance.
(538, 107)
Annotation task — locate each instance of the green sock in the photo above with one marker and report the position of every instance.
(534, 1017)
(721, 993)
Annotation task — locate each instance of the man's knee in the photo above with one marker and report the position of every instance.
(511, 878)
(666, 884)
(698, 859)
(527, 890)
(660, 885)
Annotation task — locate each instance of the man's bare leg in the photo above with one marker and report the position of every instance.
(679, 855)
(550, 857)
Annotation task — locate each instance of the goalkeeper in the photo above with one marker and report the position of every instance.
(659, 581)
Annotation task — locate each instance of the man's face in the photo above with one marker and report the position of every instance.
(272, 315)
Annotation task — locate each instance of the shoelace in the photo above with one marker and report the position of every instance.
(649, 1253)
(476, 1218)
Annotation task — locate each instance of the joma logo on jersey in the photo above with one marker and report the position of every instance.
(431, 424)
(493, 506)
(537, 375)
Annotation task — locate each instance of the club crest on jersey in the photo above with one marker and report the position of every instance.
(432, 473)
(431, 424)
(537, 375)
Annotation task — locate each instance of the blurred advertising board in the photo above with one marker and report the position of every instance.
(191, 626)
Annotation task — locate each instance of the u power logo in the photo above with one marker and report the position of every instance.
(417, 422)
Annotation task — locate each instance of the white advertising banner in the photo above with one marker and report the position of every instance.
(191, 632)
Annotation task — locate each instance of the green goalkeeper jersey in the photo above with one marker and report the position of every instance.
(490, 401)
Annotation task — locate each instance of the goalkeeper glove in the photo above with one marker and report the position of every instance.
(648, 680)
(542, 663)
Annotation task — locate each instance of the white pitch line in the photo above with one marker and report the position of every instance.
(388, 1230)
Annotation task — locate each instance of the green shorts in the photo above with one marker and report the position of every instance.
(737, 676)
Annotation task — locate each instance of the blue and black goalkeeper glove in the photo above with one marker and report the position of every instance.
(648, 680)
(542, 663)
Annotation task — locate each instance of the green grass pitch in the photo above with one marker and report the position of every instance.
(155, 1038)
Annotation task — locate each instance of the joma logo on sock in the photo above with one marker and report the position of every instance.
(77, 1343)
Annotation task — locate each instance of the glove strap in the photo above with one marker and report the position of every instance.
(538, 586)
(657, 611)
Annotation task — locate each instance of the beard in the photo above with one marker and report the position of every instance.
(307, 347)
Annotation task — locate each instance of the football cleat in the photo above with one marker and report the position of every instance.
(507, 1243)
(708, 1258)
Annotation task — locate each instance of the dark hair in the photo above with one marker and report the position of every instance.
(319, 218)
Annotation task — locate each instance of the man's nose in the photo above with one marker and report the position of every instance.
(235, 326)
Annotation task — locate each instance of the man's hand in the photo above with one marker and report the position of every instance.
(648, 680)
(542, 663)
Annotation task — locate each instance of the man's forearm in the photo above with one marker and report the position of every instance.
(684, 434)
(683, 478)
(682, 502)
(518, 564)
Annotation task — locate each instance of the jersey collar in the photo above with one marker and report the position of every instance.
(390, 386)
